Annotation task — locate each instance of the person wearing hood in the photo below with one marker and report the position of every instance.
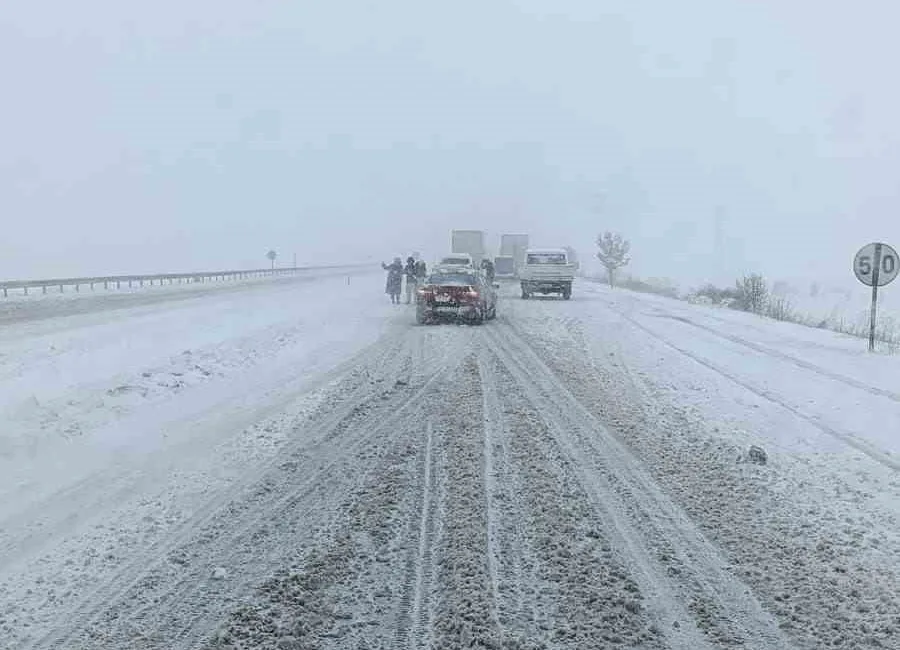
(394, 285)
(411, 280)
(488, 267)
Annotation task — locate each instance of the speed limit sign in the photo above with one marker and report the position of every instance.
(876, 264)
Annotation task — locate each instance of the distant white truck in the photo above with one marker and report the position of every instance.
(547, 270)
(504, 266)
(514, 246)
(470, 242)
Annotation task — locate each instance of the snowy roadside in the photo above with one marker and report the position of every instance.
(825, 379)
(63, 379)
(96, 410)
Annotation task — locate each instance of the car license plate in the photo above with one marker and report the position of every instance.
(442, 297)
(446, 310)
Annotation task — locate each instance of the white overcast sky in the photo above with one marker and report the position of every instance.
(163, 136)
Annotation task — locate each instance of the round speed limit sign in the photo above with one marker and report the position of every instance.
(876, 264)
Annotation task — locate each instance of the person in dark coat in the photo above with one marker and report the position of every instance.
(394, 285)
(421, 271)
(410, 272)
(488, 267)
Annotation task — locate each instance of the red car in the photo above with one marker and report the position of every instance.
(456, 294)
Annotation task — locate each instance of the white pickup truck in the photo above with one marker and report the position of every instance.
(547, 270)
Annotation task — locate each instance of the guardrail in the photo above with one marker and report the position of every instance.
(116, 281)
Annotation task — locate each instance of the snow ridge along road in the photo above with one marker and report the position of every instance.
(540, 482)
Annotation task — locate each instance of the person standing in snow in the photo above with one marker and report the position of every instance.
(421, 271)
(488, 267)
(411, 281)
(394, 285)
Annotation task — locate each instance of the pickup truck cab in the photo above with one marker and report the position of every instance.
(547, 270)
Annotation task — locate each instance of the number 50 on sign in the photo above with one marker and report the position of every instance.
(876, 264)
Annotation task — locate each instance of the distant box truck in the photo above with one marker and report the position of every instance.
(514, 246)
(504, 266)
(468, 241)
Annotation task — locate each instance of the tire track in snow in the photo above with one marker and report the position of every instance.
(578, 590)
(413, 629)
(505, 512)
(354, 568)
(354, 586)
(464, 603)
(326, 483)
(490, 415)
(673, 562)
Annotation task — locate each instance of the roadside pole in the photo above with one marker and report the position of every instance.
(874, 314)
(875, 265)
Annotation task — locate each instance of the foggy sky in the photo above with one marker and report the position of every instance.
(719, 137)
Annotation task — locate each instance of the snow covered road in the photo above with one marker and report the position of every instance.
(299, 466)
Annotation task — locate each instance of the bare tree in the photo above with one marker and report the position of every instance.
(753, 294)
(613, 253)
(272, 255)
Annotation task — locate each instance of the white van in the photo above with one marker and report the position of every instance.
(547, 270)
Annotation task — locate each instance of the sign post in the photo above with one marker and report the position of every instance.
(875, 265)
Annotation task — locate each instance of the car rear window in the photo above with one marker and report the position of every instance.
(445, 279)
(546, 258)
(456, 260)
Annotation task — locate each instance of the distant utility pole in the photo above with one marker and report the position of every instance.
(295, 260)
